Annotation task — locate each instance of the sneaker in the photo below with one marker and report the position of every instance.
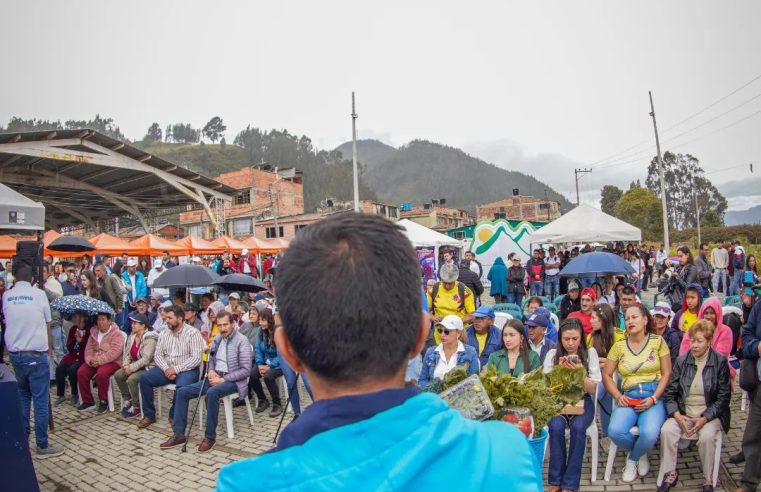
(145, 422)
(175, 440)
(49, 452)
(86, 407)
(102, 406)
(262, 406)
(60, 401)
(206, 445)
(643, 466)
(132, 413)
(276, 410)
(126, 406)
(630, 470)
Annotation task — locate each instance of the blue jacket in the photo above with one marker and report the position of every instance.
(498, 277)
(265, 351)
(493, 342)
(751, 334)
(432, 358)
(412, 446)
(141, 288)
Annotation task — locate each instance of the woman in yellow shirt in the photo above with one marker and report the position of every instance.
(644, 362)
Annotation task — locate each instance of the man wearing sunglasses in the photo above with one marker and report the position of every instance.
(366, 430)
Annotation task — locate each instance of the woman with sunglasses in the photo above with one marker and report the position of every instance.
(515, 357)
(564, 472)
(453, 351)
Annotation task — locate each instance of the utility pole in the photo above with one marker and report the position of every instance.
(354, 152)
(663, 180)
(697, 215)
(576, 173)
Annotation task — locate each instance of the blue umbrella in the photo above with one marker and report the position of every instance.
(597, 264)
(68, 305)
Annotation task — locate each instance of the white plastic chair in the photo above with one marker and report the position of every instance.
(555, 320)
(501, 319)
(716, 462)
(227, 403)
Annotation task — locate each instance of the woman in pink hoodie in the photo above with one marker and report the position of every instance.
(103, 357)
(722, 339)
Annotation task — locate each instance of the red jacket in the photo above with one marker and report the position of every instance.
(251, 264)
(76, 352)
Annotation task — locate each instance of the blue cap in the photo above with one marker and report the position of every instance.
(537, 319)
(484, 312)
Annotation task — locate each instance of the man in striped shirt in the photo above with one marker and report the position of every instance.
(177, 357)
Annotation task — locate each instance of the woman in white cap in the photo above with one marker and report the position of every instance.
(453, 351)
(662, 316)
(156, 271)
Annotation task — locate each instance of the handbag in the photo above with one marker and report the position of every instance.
(748, 375)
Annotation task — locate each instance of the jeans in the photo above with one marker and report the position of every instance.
(606, 408)
(63, 371)
(536, 288)
(565, 469)
(737, 281)
(154, 377)
(515, 298)
(102, 375)
(720, 274)
(290, 379)
(213, 394)
(649, 422)
(552, 286)
(33, 378)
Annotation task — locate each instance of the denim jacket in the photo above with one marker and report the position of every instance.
(432, 357)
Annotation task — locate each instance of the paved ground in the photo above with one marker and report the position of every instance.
(106, 452)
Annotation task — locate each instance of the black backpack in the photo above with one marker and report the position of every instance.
(734, 321)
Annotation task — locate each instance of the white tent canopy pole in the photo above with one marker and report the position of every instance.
(586, 224)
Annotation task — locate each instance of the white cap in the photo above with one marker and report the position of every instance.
(244, 251)
(234, 295)
(165, 304)
(158, 264)
(196, 259)
(132, 262)
(452, 322)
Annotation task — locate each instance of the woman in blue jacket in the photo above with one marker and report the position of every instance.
(268, 365)
(498, 277)
(453, 351)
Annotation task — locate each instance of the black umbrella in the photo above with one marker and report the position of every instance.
(186, 276)
(71, 244)
(240, 282)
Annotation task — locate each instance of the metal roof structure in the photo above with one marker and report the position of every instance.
(83, 176)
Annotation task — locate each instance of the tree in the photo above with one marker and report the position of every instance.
(641, 208)
(185, 133)
(683, 176)
(154, 134)
(105, 126)
(610, 195)
(214, 129)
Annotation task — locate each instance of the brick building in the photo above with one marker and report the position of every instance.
(263, 192)
(526, 208)
(438, 217)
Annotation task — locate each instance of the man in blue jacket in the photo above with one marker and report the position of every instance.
(365, 429)
(751, 444)
(483, 335)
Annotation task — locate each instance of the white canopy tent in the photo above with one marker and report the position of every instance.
(585, 224)
(18, 213)
(422, 237)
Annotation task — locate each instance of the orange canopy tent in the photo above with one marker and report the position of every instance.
(151, 245)
(110, 245)
(257, 245)
(199, 246)
(7, 246)
(50, 236)
(229, 244)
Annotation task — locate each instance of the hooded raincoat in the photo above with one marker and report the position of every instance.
(498, 277)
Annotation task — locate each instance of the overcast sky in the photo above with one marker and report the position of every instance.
(539, 87)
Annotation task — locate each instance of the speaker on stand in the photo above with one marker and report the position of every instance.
(29, 253)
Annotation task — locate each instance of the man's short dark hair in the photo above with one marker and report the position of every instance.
(225, 314)
(702, 245)
(348, 290)
(628, 291)
(23, 272)
(177, 310)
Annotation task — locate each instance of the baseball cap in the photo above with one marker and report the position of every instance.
(538, 319)
(449, 273)
(158, 263)
(573, 285)
(588, 292)
(132, 262)
(452, 322)
(234, 295)
(165, 304)
(139, 318)
(484, 312)
(662, 309)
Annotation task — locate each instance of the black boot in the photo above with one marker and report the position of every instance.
(262, 405)
(738, 458)
(276, 410)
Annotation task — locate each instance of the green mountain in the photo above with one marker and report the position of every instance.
(420, 171)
